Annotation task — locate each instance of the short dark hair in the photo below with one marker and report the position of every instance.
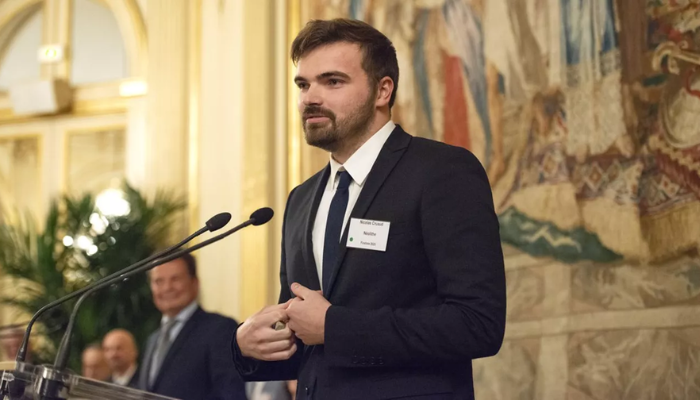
(191, 264)
(378, 53)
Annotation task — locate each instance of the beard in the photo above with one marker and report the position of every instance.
(331, 134)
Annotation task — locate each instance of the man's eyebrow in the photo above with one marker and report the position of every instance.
(331, 74)
(325, 75)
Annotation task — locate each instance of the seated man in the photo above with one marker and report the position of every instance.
(120, 351)
(94, 364)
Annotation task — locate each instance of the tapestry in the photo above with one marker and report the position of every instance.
(585, 117)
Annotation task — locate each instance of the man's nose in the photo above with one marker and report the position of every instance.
(312, 96)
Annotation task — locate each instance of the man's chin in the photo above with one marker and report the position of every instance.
(321, 140)
(327, 145)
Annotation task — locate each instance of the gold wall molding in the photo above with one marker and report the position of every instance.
(88, 130)
(295, 135)
(40, 153)
(259, 163)
(57, 21)
(167, 131)
(194, 110)
(13, 25)
(133, 29)
(11, 9)
(7, 313)
(80, 108)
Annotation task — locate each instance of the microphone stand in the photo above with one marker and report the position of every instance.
(7, 388)
(50, 385)
(22, 353)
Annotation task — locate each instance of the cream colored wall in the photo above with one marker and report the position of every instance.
(220, 142)
(19, 61)
(242, 147)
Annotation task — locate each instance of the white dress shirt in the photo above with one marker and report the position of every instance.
(181, 318)
(358, 166)
(123, 380)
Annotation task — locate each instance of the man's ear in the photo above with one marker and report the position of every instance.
(385, 88)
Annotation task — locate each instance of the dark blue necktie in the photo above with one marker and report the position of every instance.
(336, 215)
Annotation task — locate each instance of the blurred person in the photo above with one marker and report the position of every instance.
(11, 341)
(119, 348)
(188, 357)
(272, 390)
(292, 388)
(94, 364)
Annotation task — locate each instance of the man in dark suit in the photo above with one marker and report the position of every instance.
(187, 357)
(120, 351)
(399, 233)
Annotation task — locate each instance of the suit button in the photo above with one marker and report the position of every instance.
(372, 361)
(381, 361)
(306, 389)
(354, 359)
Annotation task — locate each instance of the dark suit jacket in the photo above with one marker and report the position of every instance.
(197, 366)
(407, 321)
(134, 381)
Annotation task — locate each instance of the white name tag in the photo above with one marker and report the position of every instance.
(368, 234)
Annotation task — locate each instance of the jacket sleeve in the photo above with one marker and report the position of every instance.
(460, 231)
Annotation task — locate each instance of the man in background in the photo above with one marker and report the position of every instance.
(120, 351)
(272, 390)
(189, 356)
(94, 364)
(11, 340)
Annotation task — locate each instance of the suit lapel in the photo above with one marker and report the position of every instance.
(134, 380)
(308, 249)
(146, 364)
(176, 346)
(386, 161)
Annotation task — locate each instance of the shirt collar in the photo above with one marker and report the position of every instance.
(360, 163)
(125, 377)
(183, 315)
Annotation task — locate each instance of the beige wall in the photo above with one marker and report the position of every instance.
(241, 156)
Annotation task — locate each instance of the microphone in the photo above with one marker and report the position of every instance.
(213, 224)
(257, 218)
(218, 221)
(261, 216)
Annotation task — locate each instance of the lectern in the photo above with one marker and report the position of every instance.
(22, 381)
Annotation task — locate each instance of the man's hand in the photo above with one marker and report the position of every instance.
(307, 314)
(258, 339)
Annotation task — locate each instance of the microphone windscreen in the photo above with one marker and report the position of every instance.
(262, 215)
(218, 221)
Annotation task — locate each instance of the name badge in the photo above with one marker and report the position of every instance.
(368, 234)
